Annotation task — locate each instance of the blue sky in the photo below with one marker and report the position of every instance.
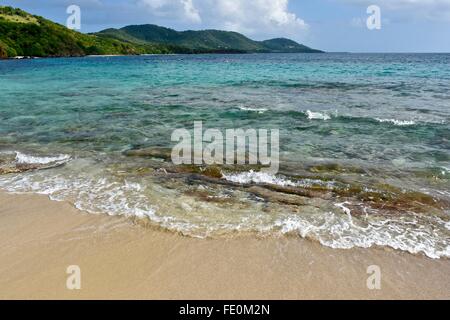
(331, 25)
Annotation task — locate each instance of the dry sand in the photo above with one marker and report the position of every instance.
(119, 259)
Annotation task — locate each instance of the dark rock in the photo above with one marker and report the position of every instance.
(159, 153)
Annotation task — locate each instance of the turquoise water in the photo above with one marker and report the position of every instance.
(364, 138)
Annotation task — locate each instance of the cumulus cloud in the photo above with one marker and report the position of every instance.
(422, 9)
(178, 9)
(190, 11)
(255, 17)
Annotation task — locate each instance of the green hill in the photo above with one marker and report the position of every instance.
(23, 34)
(286, 45)
(201, 41)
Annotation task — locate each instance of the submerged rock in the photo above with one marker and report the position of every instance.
(207, 196)
(273, 196)
(17, 168)
(300, 191)
(14, 167)
(335, 168)
(7, 170)
(212, 172)
(159, 153)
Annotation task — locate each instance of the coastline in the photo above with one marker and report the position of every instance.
(118, 258)
(152, 54)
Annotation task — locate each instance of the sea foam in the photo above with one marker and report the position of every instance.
(258, 178)
(335, 227)
(338, 232)
(341, 230)
(397, 122)
(317, 115)
(29, 159)
(258, 110)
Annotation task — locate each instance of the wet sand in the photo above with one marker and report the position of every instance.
(120, 259)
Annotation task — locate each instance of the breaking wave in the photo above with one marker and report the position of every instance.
(23, 158)
(341, 229)
(397, 122)
(333, 224)
(249, 109)
(317, 115)
(344, 232)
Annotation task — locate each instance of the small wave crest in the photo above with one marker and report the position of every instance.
(23, 158)
(396, 122)
(250, 109)
(317, 115)
(256, 177)
(88, 193)
(344, 232)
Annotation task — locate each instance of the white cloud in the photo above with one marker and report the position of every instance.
(178, 9)
(259, 18)
(419, 9)
(190, 11)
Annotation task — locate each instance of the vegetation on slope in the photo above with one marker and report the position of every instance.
(201, 41)
(23, 34)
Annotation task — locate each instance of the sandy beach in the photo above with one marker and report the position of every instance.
(120, 259)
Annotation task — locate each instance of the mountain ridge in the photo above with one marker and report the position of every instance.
(24, 34)
(208, 40)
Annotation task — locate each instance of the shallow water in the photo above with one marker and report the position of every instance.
(364, 138)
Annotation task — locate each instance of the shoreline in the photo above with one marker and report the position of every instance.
(206, 53)
(152, 54)
(120, 259)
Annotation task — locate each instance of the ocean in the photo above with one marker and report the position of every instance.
(364, 143)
